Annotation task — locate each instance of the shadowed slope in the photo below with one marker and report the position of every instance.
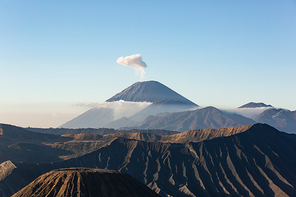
(209, 117)
(161, 107)
(10, 133)
(187, 136)
(283, 120)
(257, 162)
(203, 134)
(18, 144)
(83, 182)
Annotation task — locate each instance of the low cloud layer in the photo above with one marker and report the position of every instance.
(120, 108)
(248, 112)
(136, 62)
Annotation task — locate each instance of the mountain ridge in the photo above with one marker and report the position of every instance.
(208, 117)
(284, 120)
(256, 162)
(255, 105)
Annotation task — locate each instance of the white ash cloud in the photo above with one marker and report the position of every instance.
(136, 62)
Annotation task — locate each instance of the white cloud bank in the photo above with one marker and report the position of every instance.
(248, 112)
(120, 108)
(136, 62)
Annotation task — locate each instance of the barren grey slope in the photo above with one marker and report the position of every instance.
(150, 91)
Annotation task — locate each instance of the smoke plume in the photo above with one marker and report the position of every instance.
(136, 62)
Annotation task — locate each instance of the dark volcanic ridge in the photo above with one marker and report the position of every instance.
(85, 182)
(99, 131)
(254, 161)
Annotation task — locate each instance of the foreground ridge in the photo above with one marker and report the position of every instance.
(85, 182)
(259, 161)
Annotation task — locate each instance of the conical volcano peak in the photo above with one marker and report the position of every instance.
(149, 91)
(85, 183)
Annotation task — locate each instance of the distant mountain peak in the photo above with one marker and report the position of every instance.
(255, 105)
(150, 91)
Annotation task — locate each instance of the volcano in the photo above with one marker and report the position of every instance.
(85, 182)
(149, 91)
(162, 99)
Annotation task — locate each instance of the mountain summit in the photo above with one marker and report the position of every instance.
(254, 105)
(163, 100)
(85, 182)
(150, 91)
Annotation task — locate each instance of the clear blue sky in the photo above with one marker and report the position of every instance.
(55, 54)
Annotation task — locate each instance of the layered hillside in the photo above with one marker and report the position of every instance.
(284, 120)
(256, 161)
(18, 144)
(208, 117)
(167, 106)
(99, 131)
(161, 107)
(187, 136)
(85, 182)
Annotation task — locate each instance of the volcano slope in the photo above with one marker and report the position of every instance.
(259, 161)
(163, 98)
(85, 182)
(208, 117)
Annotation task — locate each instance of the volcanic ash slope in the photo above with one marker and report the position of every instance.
(83, 182)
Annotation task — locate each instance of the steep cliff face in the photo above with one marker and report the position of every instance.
(254, 161)
(82, 182)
